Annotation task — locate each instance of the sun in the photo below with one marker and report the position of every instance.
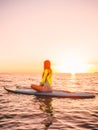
(73, 63)
(72, 68)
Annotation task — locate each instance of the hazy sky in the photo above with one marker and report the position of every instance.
(60, 30)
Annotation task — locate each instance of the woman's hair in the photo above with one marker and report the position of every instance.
(47, 64)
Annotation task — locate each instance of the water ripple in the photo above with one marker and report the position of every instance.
(23, 112)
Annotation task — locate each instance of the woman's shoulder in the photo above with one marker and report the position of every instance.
(48, 70)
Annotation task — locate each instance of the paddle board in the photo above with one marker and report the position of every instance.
(54, 93)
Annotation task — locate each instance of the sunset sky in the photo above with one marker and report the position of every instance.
(64, 31)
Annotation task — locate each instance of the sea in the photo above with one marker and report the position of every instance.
(28, 112)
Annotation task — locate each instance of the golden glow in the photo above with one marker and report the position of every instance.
(73, 67)
(74, 62)
(25, 44)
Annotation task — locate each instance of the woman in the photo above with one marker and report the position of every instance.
(46, 81)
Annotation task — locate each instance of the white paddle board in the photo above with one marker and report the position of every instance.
(54, 93)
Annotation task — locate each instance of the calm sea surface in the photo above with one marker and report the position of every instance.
(28, 112)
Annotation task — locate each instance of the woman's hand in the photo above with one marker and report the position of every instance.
(41, 84)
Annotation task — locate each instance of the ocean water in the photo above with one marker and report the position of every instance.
(28, 112)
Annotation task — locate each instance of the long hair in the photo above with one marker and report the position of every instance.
(47, 64)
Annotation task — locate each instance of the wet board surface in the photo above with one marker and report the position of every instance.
(54, 93)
